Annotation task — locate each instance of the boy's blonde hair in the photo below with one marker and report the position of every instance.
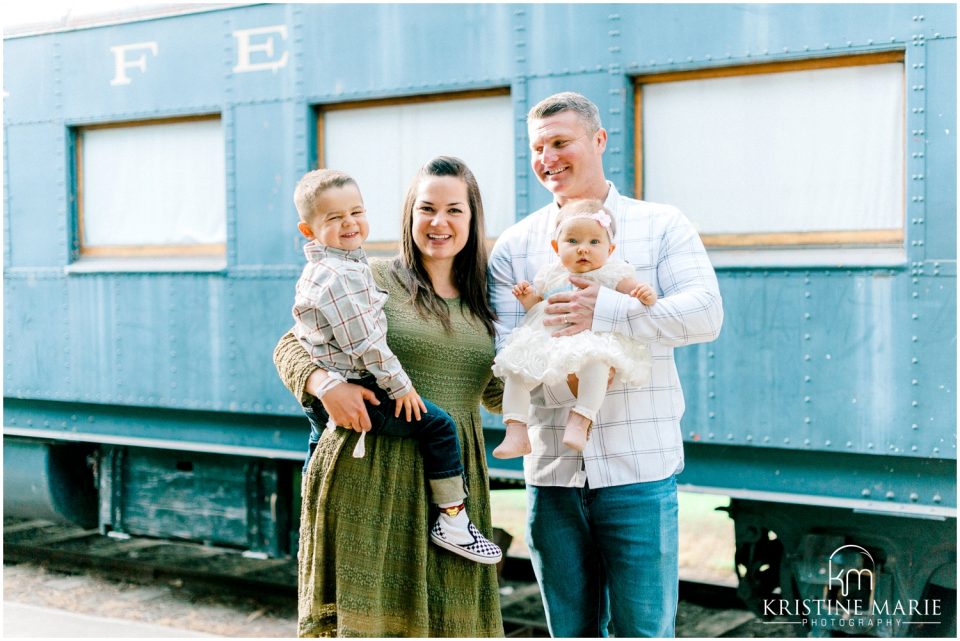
(580, 207)
(312, 184)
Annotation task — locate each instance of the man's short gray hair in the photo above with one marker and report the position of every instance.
(568, 101)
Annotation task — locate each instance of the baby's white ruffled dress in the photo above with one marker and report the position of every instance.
(533, 354)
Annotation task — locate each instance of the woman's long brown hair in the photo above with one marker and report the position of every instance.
(469, 265)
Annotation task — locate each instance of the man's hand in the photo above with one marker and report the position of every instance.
(345, 405)
(410, 403)
(573, 310)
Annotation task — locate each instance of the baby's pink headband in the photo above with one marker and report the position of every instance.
(601, 217)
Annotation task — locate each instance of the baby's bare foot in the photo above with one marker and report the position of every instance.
(515, 443)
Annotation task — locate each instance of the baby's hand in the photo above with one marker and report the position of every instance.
(410, 403)
(521, 289)
(644, 293)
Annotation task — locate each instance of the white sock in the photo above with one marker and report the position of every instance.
(455, 527)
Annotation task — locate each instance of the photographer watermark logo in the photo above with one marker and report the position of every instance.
(844, 574)
(850, 600)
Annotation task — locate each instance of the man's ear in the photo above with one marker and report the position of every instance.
(305, 230)
(553, 243)
(601, 139)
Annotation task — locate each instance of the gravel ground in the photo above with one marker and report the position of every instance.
(234, 616)
(156, 603)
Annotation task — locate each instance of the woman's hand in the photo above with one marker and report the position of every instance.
(345, 405)
(410, 404)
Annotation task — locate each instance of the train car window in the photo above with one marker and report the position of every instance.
(798, 154)
(383, 143)
(151, 189)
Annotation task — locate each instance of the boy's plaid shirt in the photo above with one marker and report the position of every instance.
(339, 319)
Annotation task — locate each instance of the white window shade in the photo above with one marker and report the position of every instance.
(805, 151)
(153, 186)
(383, 147)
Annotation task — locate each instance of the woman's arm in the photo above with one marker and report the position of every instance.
(492, 398)
(295, 368)
(344, 402)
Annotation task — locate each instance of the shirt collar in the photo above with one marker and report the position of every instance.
(315, 252)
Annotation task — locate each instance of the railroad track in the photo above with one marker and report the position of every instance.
(705, 610)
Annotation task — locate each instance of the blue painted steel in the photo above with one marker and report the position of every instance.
(940, 148)
(815, 359)
(48, 481)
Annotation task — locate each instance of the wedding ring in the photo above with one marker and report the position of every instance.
(565, 320)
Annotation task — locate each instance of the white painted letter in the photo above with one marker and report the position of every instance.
(245, 48)
(122, 64)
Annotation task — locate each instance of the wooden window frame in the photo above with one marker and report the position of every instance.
(206, 250)
(391, 247)
(859, 237)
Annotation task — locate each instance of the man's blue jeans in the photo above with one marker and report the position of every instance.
(603, 555)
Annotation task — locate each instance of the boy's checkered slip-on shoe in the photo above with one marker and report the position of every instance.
(482, 550)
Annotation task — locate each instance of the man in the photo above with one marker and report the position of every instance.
(603, 523)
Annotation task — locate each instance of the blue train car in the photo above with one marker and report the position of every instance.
(150, 253)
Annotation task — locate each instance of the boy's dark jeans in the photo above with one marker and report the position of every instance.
(435, 431)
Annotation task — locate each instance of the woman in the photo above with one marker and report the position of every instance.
(366, 567)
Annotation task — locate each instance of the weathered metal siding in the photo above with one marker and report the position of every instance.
(844, 363)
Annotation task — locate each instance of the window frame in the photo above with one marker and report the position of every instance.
(882, 237)
(216, 251)
(391, 247)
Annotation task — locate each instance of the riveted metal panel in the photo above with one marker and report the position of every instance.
(36, 337)
(855, 355)
(230, 433)
(931, 337)
(257, 312)
(196, 322)
(32, 92)
(828, 360)
(37, 198)
(267, 169)
(872, 483)
(587, 45)
(938, 173)
(96, 335)
(173, 66)
(357, 51)
(667, 37)
(747, 387)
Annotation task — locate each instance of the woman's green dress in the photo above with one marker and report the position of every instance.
(366, 564)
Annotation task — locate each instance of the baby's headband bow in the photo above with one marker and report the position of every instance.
(601, 217)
